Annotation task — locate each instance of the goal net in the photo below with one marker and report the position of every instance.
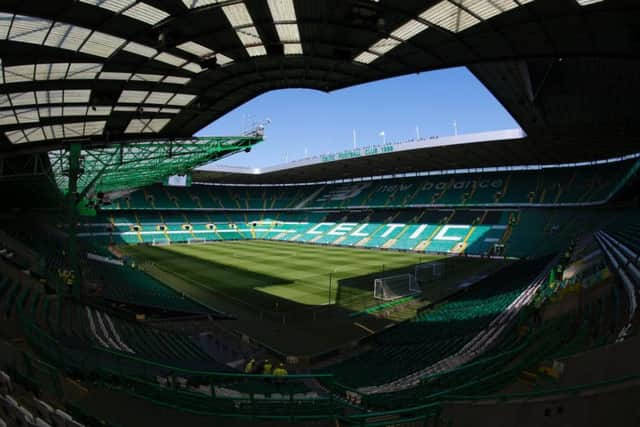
(161, 242)
(428, 272)
(196, 241)
(394, 287)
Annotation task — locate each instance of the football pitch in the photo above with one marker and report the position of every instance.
(297, 298)
(270, 276)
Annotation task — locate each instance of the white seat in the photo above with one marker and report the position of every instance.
(60, 418)
(5, 408)
(43, 409)
(74, 423)
(5, 383)
(63, 414)
(24, 417)
(41, 423)
(13, 404)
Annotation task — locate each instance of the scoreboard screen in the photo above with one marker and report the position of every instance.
(178, 181)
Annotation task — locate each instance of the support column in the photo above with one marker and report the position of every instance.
(72, 217)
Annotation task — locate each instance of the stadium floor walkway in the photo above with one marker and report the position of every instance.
(122, 410)
(310, 338)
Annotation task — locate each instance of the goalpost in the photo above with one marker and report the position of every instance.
(160, 242)
(427, 272)
(394, 287)
(196, 241)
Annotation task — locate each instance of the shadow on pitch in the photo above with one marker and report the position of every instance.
(210, 272)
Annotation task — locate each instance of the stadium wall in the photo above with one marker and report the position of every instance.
(488, 232)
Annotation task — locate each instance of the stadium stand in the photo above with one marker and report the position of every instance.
(401, 358)
(526, 354)
(517, 232)
(21, 408)
(79, 325)
(463, 280)
(439, 333)
(130, 286)
(546, 187)
(509, 330)
(514, 213)
(621, 243)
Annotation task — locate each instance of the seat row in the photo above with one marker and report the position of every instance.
(37, 414)
(440, 332)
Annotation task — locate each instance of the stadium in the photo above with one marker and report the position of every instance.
(486, 278)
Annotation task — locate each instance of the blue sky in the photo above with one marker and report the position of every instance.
(316, 122)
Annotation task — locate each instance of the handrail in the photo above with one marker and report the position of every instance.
(423, 410)
(550, 392)
(191, 372)
(41, 339)
(622, 182)
(220, 414)
(392, 412)
(516, 350)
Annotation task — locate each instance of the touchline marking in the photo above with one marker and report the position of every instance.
(209, 289)
(360, 325)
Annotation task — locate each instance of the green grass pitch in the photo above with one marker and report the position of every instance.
(275, 276)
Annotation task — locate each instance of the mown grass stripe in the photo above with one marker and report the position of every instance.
(259, 271)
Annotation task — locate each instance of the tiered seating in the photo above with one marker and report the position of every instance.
(34, 412)
(8, 292)
(92, 344)
(177, 232)
(627, 230)
(82, 327)
(550, 186)
(523, 232)
(557, 338)
(136, 199)
(150, 343)
(134, 287)
(440, 332)
(232, 197)
(621, 243)
(87, 327)
(485, 365)
(240, 212)
(543, 231)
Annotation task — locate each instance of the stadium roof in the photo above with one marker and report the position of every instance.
(115, 70)
(123, 166)
(506, 148)
(432, 153)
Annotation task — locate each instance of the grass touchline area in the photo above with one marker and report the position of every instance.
(284, 271)
(278, 293)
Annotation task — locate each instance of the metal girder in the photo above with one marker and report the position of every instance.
(136, 164)
(29, 165)
(73, 178)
